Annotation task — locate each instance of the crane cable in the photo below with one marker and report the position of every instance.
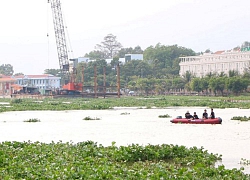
(70, 50)
(48, 28)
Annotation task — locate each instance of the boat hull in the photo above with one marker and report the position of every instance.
(217, 120)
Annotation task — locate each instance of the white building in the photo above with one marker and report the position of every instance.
(218, 62)
(45, 81)
(129, 57)
(83, 59)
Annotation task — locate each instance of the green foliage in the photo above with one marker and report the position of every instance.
(90, 118)
(6, 69)
(16, 101)
(131, 101)
(32, 120)
(244, 161)
(240, 118)
(125, 113)
(55, 72)
(87, 160)
(110, 46)
(123, 51)
(164, 116)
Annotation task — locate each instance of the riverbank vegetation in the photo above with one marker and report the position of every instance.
(158, 73)
(109, 103)
(87, 160)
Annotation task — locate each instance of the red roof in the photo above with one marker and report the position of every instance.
(219, 52)
(7, 79)
(34, 76)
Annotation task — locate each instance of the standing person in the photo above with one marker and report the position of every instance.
(212, 115)
(195, 116)
(205, 115)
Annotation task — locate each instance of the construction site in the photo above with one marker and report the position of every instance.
(70, 86)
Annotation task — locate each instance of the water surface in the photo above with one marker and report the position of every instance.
(141, 126)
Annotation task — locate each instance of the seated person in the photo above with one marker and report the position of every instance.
(195, 116)
(188, 115)
(205, 115)
(212, 116)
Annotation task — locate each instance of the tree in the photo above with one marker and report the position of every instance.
(110, 46)
(165, 59)
(18, 74)
(208, 51)
(196, 84)
(123, 51)
(245, 44)
(233, 73)
(6, 69)
(237, 84)
(188, 76)
(218, 84)
(54, 72)
(96, 55)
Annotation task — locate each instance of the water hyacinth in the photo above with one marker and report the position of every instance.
(87, 160)
(109, 103)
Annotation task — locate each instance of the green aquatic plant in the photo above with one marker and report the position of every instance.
(164, 116)
(32, 120)
(244, 161)
(125, 113)
(90, 118)
(88, 160)
(109, 103)
(241, 118)
(16, 101)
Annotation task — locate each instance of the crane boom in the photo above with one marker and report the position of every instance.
(60, 36)
(70, 87)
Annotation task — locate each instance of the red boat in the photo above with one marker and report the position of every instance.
(180, 120)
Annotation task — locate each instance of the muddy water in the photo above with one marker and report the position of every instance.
(142, 126)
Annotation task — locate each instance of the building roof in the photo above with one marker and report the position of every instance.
(34, 76)
(219, 52)
(7, 79)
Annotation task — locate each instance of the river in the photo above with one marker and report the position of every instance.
(134, 125)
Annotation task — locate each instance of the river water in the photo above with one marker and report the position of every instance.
(134, 125)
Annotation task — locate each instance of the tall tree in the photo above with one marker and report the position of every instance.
(245, 44)
(18, 74)
(110, 46)
(55, 72)
(6, 69)
(123, 51)
(96, 55)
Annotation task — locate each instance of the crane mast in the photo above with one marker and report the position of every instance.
(60, 36)
(70, 86)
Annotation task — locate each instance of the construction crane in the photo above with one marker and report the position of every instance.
(70, 86)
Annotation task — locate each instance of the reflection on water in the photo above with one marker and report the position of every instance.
(132, 125)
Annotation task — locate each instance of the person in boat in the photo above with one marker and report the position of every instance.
(205, 115)
(188, 115)
(195, 116)
(212, 115)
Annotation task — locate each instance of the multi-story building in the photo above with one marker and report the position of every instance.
(221, 61)
(129, 57)
(6, 83)
(45, 81)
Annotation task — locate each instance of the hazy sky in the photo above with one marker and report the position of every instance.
(195, 24)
